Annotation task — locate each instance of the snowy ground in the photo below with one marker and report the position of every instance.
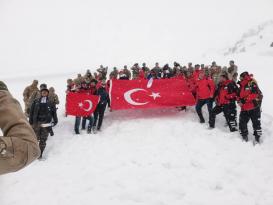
(149, 157)
(146, 157)
(140, 159)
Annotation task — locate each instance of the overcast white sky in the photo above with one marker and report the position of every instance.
(65, 34)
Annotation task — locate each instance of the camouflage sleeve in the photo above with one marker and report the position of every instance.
(31, 111)
(18, 146)
(26, 94)
(31, 99)
(57, 100)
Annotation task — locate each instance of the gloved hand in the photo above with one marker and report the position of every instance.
(3, 86)
(54, 123)
(50, 130)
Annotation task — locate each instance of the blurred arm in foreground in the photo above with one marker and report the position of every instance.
(18, 146)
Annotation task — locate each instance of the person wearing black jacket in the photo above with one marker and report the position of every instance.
(42, 117)
(104, 101)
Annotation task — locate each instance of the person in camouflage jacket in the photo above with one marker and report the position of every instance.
(18, 145)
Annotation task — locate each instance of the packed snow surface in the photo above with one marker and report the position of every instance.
(149, 157)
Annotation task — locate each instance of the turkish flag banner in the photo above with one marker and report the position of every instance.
(138, 94)
(81, 104)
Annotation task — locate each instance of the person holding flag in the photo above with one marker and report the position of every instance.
(91, 91)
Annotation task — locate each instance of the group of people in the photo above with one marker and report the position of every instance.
(158, 72)
(21, 143)
(90, 86)
(215, 86)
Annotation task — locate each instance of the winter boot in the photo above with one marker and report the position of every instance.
(89, 130)
(257, 138)
(94, 130)
(211, 126)
(202, 120)
(42, 150)
(98, 129)
(245, 138)
(257, 135)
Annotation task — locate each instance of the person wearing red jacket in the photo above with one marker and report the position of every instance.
(225, 97)
(250, 99)
(205, 89)
(196, 72)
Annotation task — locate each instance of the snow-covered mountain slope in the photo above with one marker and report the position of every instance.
(253, 53)
(258, 39)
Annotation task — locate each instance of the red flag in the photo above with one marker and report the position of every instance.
(137, 94)
(81, 104)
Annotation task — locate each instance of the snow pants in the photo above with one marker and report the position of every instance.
(200, 104)
(255, 116)
(42, 135)
(230, 113)
(99, 115)
(90, 124)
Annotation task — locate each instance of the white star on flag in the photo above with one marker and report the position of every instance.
(80, 104)
(155, 95)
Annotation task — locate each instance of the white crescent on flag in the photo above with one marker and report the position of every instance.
(128, 98)
(90, 105)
